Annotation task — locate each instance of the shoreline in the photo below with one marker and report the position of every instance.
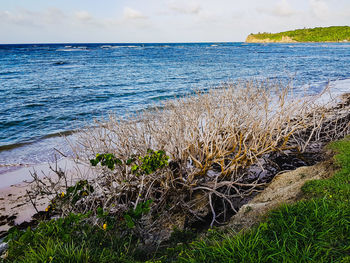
(42, 151)
(15, 206)
(23, 155)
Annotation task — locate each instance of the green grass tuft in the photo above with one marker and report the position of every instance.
(337, 187)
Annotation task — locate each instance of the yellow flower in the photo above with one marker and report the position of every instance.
(104, 226)
(330, 196)
(62, 194)
(47, 209)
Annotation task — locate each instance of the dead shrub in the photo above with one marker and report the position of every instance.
(211, 139)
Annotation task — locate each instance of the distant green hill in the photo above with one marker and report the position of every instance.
(318, 34)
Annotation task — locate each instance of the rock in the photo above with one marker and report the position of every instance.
(284, 188)
(285, 39)
(3, 247)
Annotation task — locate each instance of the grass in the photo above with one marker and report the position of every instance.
(68, 239)
(318, 34)
(313, 230)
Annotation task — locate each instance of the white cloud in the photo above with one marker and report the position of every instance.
(185, 7)
(21, 18)
(47, 18)
(83, 15)
(130, 13)
(283, 8)
(26, 18)
(53, 16)
(319, 9)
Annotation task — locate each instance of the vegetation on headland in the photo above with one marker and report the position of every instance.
(318, 34)
(143, 204)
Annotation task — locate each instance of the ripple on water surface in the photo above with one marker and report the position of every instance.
(59, 87)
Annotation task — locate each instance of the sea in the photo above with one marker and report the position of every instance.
(49, 90)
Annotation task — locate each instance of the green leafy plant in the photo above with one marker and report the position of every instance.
(148, 164)
(73, 194)
(81, 189)
(151, 162)
(109, 221)
(106, 159)
(134, 215)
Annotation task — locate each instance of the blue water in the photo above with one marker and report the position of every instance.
(51, 88)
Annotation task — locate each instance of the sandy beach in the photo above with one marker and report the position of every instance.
(15, 205)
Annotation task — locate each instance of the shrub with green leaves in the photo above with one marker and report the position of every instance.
(106, 159)
(147, 164)
(66, 201)
(81, 189)
(151, 162)
(133, 216)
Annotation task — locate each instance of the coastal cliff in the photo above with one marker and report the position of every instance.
(318, 34)
(284, 39)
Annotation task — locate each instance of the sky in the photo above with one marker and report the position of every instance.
(161, 21)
